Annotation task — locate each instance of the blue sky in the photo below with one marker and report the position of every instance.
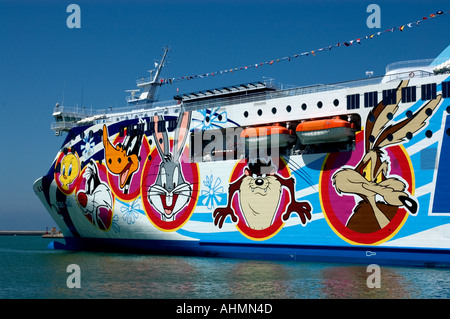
(42, 61)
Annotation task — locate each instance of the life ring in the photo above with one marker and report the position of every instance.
(411, 75)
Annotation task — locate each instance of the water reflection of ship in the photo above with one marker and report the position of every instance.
(351, 282)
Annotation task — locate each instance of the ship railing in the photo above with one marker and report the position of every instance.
(414, 64)
(406, 75)
(87, 112)
(112, 114)
(63, 126)
(83, 111)
(258, 97)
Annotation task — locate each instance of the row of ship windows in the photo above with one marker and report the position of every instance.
(141, 129)
(428, 92)
(289, 108)
(389, 96)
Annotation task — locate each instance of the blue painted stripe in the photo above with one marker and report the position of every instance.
(311, 253)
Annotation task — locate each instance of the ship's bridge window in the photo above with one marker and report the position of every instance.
(389, 96)
(446, 89)
(409, 94)
(352, 101)
(370, 99)
(428, 91)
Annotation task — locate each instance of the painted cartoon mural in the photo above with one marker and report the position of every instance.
(67, 170)
(385, 191)
(261, 197)
(95, 198)
(122, 159)
(170, 183)
(366, 194)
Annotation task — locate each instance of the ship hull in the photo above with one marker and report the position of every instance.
(136, 185)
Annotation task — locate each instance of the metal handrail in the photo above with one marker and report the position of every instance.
(172, 106)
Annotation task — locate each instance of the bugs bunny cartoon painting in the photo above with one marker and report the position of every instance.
(370, 179)
(170, 192)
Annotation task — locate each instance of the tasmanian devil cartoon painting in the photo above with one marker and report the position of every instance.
(259, 190)
(381, 193)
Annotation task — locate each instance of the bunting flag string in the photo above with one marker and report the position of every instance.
(306, 53)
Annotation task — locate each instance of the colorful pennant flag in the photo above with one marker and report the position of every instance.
(306, 53)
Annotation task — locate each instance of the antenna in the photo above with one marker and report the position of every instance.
(64, 93)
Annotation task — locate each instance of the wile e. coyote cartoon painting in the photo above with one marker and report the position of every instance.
(370, 179)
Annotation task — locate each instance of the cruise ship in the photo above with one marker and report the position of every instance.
(351, 172)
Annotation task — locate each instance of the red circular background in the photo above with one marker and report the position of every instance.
(337, 208)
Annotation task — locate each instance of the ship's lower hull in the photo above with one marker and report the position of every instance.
(416, 257)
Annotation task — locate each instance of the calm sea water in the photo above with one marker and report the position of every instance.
(29, 270)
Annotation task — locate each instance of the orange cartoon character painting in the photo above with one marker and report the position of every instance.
(122, 159)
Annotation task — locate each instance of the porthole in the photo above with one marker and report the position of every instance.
(245, 114)
(371, 138)
(336, 102)
(274, 110)
(428, 134)
(288, 108)
(448, 109)
(390, 137)
(319, 104)
(390, 116)
(409, 113)
(371, 117)
(259, 112)
(409, 135)
(304, 106)
(428, 111)
(448, 131)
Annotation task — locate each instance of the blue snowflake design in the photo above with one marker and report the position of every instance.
(88, 147)
(213, 191)
(212, 119)
(131, 211)
(115, 224)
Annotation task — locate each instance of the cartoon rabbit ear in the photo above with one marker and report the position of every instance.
(181, 134)
(161, 138)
